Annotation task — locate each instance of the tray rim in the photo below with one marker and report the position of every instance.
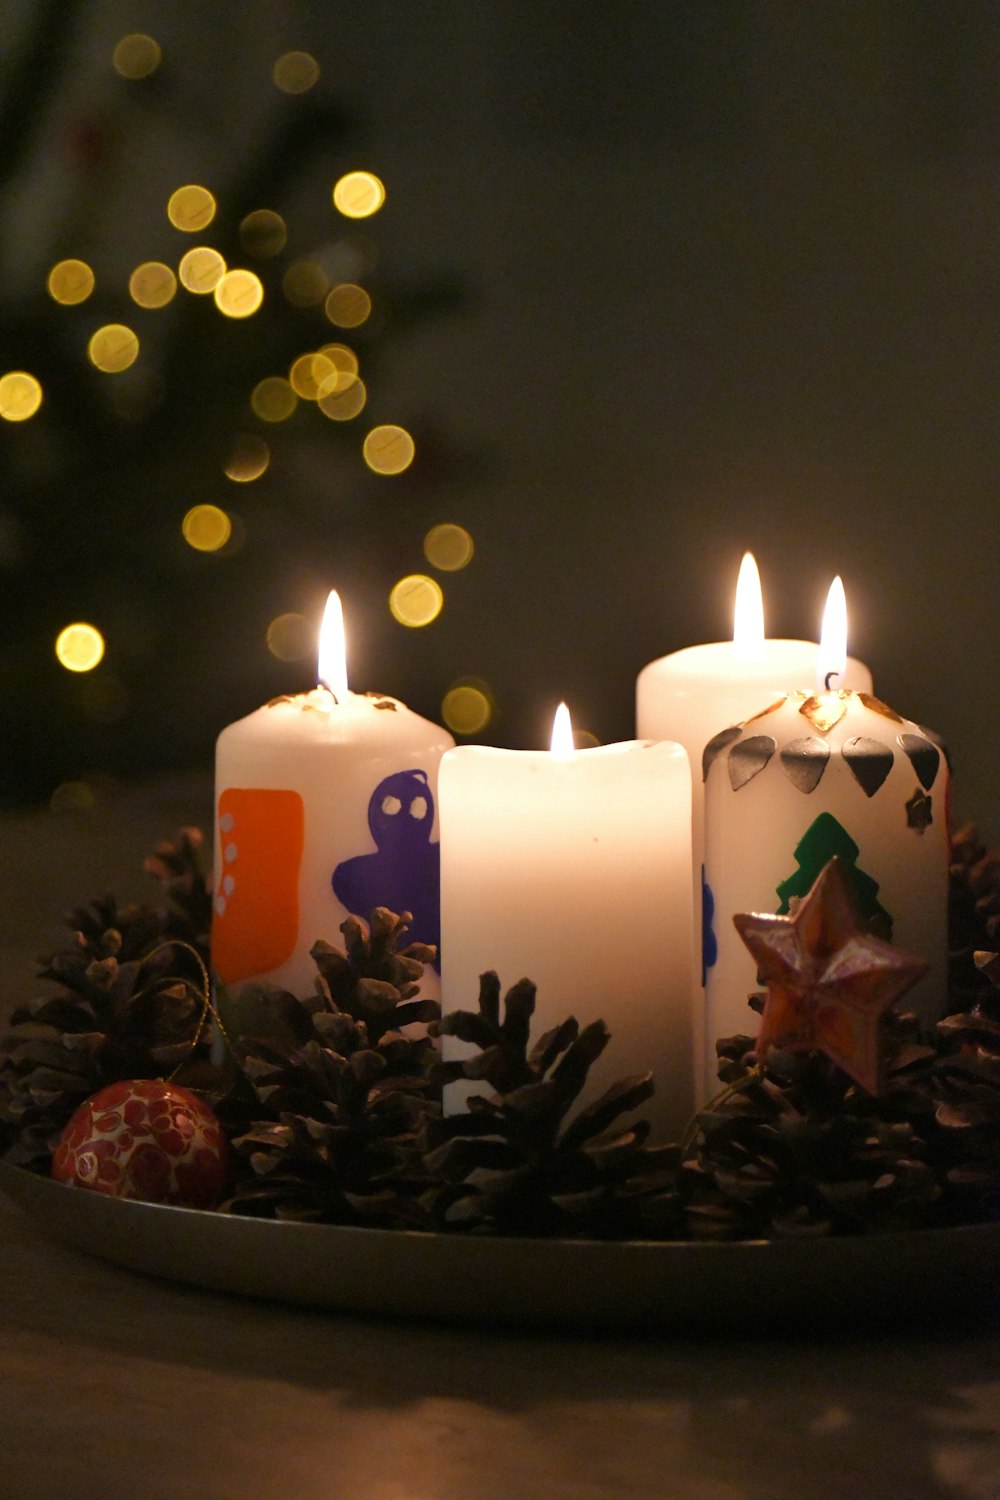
(583, 1284)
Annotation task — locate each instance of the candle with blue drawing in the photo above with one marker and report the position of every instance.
(816, 774)
(325, 805)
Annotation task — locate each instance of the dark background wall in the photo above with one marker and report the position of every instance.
(729, 277)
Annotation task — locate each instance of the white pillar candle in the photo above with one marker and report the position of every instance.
(325, 805)
(822, 773)
(572, 868)
(691, 694)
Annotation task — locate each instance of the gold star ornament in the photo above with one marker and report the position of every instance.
(829, 982)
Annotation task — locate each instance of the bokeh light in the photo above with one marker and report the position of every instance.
(352, 256)
(136, 56)
(263, 233)
(73, 797)
(296, 72)
(70, 282)
(416, 600)
(305, 283)
(348, 305)
(448, 547)
(291, 637)
(313, 376)
(346, 400)
(388, 449)
(206, 528)
(191, 208)
(466, 708)
(344, 358)
(152, 284)
(358, 195)
(248, 460)
(113, 348)
(239, 294)
(273, 399)
(20, 396)
(201, 270)
(79, 647)
(103, 698)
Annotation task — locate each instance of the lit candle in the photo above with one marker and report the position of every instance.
(325, 805)
(823, 772)
(691, 694)
(572, 868)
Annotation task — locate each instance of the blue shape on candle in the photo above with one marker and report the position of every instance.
(709, 942)
(405, 871)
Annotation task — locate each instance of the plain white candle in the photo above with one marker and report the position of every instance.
(325, 804)
(822, 773)
(572, 868)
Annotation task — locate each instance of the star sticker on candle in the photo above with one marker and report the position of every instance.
(829, 982)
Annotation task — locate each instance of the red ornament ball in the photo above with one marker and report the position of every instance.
(145, 1139)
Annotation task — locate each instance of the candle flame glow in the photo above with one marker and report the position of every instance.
(831, 660)
(333, 648)
(748, 616)
(562, 746)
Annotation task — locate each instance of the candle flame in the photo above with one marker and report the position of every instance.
(333, 648)
(748, 616)
(562, 746)
(831, 661)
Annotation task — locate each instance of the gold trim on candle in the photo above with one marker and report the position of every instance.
(878, 707)
(825, 710)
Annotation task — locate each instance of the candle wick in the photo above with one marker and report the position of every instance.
(827, 681)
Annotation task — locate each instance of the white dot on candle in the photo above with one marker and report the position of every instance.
(231, 853)
(226, 822)
(748, 616)
(229, 885)
(220, 905)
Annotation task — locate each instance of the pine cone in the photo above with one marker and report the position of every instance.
(794, 1147)
(128, 1006)
(177, 865)
(514, 1164)
(973, 918)
(338, 1091)
(967, 1077)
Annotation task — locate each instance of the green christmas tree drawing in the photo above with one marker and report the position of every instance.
(823, 839)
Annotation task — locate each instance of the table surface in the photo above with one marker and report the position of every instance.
(115, 1384)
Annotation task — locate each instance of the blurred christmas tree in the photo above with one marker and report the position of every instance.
(193, 446)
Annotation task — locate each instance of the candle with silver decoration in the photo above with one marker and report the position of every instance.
(691, 694)
(823, 773)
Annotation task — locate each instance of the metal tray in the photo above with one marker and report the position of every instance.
(581, 1284)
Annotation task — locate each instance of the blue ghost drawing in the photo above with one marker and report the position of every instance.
(405, 871)
(709, 942)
